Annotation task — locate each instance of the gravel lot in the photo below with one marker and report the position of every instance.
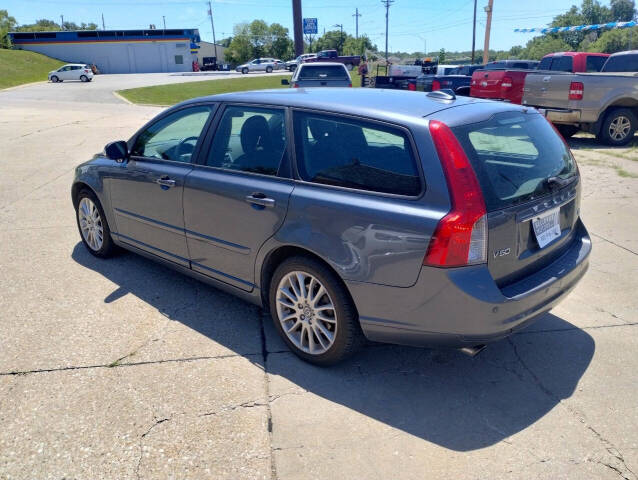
(125, 369)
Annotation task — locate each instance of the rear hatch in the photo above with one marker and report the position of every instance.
(318, 75)
(547, 90)
(531, 189)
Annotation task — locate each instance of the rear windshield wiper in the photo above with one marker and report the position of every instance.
(558, 182)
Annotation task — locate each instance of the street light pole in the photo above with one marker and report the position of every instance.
(212, 26)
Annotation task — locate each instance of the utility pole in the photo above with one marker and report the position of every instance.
(340, 25)
(164, 20)
(356, 18)
(488, 26)
(474, 33)
(61, 22)
(103, 27)
(387, 4)
(297, 29)
(212, 26)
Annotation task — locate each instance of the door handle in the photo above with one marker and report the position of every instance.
(165, 181)
(260, 199)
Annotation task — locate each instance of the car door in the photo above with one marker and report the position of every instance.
(65, 73)
(237, 197)
(147, 190)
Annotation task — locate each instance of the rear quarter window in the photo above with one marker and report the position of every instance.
(563, 64)
(355, 154)
(595, 63)
(513, 154)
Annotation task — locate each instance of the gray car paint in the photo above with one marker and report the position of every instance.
(375, 243)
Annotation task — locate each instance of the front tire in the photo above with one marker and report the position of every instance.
(244, 71)
(313, 312)
(55, 79)
(92, 224)
(618, 128)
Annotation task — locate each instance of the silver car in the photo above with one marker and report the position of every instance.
(401, 217)
(258, 65)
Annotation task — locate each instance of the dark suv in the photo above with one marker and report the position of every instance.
(403, 217)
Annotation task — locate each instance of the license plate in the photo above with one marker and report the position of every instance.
(546, 227)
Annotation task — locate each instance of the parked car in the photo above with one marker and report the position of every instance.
(209, 63)
(453, 223)
(257, 65)
(605, 103)
(350, 61)
(319, 75)
(71, 71)
(573, 62)
(458, 80)
(423, 82)
(293, 64)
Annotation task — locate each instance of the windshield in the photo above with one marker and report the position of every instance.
(513, 155)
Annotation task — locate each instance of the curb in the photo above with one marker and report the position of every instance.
(16, 87)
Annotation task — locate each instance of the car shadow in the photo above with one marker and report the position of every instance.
(441, 396)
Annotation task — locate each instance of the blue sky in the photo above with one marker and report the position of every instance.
(442, 24)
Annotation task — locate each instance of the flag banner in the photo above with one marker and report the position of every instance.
(577, 28)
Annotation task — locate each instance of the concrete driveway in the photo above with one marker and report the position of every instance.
(101, 89)
(125, 369)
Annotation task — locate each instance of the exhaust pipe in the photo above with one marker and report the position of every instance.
(472, 351)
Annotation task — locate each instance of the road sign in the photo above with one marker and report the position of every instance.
(310, 26)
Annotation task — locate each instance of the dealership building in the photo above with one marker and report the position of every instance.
(117, 51)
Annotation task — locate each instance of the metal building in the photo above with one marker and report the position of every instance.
(117, 51)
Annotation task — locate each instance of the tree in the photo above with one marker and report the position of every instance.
(622, 10)
(358, 46)
(613, 41)
(46, 25)
(280, 46)
(7, 24)
(538, 47)
(331, 40)
(442, 55)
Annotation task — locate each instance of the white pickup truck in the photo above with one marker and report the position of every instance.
(605, 103)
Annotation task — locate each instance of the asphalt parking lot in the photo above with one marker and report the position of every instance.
(125, 369)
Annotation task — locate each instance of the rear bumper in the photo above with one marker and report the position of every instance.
(559, 115)
(464, 306)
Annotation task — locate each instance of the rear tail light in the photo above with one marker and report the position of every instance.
(436, 85)
(576, 90)
(295, 85)
(412, 86)
(350, 84)
(460, 238)
(507, 82)
(86, 71)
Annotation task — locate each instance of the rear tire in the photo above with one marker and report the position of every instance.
(332, 330)
(567, 131)
(84, 78)
(618, 128)
(92, 224)
(268, 69)
(54, 79)
(349, 66)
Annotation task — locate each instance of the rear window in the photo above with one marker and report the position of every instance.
(622, 63)
(323, 72)
(494, 66)
(562, 64)
(595, 63)
(513, 154)
(355, 154)
(545, 64)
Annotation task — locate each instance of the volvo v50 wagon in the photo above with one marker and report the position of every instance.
(401, 217)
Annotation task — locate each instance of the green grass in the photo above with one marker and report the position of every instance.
(19, 66)
(624, 173)
(178, 92)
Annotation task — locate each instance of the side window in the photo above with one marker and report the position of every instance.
(546, 63)
(174, 137)
(355, 154)
(563, 64)
(595, 63)
(249, 139)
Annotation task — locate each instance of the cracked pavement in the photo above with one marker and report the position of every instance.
(125, 369)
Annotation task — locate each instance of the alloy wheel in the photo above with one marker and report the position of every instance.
(306, 312)
(619, 128)
(91, 224)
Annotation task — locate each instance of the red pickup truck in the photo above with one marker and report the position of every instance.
(505, 80)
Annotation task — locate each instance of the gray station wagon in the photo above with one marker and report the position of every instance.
(401, 217)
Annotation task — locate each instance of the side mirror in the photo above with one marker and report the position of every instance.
(117, 151)
(284, 81)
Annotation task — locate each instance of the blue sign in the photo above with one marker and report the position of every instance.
(310, 26)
